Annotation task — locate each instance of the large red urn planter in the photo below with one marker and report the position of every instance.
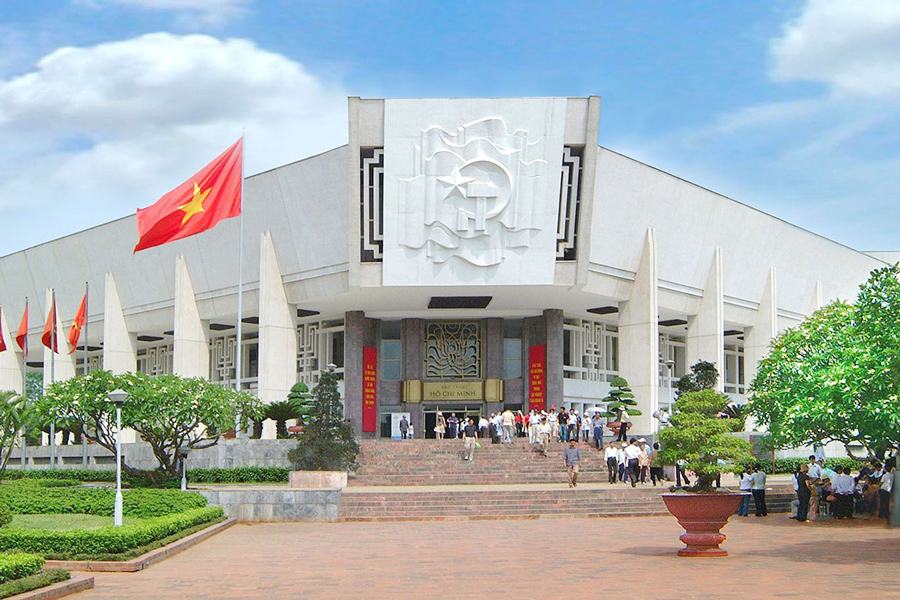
(702, 516)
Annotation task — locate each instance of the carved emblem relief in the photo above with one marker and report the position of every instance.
(474, 192)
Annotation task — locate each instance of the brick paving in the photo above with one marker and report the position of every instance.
(770, 558)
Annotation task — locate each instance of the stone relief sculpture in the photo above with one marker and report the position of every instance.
(474, 194)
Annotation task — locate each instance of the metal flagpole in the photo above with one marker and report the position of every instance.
(238, 355)
(52, 373)
(25, 386)
(84, 341)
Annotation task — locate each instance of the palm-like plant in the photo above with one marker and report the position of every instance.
(281, 412)
(15, 415)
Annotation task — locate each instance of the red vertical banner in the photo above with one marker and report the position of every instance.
(370, 385)
(537, 380)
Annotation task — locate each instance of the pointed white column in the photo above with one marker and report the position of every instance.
(706, 329)
(816, 302)
(10, 359)
(119, 346)
(191, 346)
(639, 338)
(277, 332)
(64, 365)
(764, 330)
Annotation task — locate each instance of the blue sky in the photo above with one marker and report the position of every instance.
(791, 106)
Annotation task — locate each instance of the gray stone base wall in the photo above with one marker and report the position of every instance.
(277, 505)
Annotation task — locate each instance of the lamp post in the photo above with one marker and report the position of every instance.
(118, 397)
(183, 453)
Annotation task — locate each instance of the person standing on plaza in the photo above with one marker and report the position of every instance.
(470, 439)
(803, 493)
(572, 456)
(551, 420)
(643, 460)
(452, 424)
(404, 428)
(562, 421)
(574, 424)
(656, 470)
(440, 427)
(633, 454)
(483, 425)
(585, 428)
(624, 421)
(542, 431)
(884, 492)
(844, 488)
(508, 422)
(815, 471)
(411, 432)
(758, 489)
(622, 461)
(745, 483)
(520, 424)
(597, 424)
(610, 455)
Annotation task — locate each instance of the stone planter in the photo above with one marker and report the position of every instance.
(330, 480)
(702, 516)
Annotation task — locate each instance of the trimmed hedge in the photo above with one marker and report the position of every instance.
(108, 475)
(107, 539)
(5, 515)
(33, 582)
(144, 503)
(790, 465)
(16, 565)
(51, 483)
(239, 475)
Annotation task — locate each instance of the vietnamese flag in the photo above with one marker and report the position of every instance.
(22, 333)
(48, 338)
(78, 324)
(197, 205)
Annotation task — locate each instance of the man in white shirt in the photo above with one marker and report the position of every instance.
(884, 494)
(543, 434)
(612, 462)
(758, 489)
(633, 453)
(815, 471)
(621, 461)
(844, 487)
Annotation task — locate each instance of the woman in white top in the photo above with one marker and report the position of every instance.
(746, 482)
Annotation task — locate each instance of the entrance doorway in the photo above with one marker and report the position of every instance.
(463, 412)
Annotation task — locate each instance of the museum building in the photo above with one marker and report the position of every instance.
(457, 255)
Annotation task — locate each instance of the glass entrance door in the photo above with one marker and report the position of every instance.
(462, 411)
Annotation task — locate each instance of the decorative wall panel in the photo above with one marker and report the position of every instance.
(569, 203)
(453, 350)
(371, 204)
(156, 360)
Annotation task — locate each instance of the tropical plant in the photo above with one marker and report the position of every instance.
(15, 415)
(168, 412)
(703, 376)
(281, 412)
(835, 377)
(702, 442)
(326, 442)
(620, 398)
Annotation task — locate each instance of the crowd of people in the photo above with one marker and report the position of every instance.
(822, 491)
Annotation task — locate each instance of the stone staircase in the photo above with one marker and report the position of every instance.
(460, 504)
(439, 462)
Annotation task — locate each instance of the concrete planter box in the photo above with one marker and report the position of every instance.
(331, 480)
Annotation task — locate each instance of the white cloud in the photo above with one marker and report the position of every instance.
(853, 46)
(92, 133)
(188, 12)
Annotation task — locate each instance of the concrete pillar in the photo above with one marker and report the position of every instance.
(816, 302)
(639, 338)
(119, 345)
(277, 332)
(10, 359)
(706, 329)
(764, 330)
(64, 365)
(553, 370)
(413, 348)
(359, 332)
(588, 184)
(191, 344)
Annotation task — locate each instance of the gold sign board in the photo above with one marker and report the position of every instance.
(469, 390)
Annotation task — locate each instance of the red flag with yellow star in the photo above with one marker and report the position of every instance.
(78, 324)
(197, 205)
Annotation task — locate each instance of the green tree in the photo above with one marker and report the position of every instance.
(703, 376)
(836, 376)
(326, 442)
(620, 398)
(168, 412)
(702, 440)
(15, 414)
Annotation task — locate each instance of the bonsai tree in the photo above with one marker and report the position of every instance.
(620, 398)
(326, 442)
(302, 400)
(702, 440)
(15, 415)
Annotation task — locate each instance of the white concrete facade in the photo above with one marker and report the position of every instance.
(615, 266)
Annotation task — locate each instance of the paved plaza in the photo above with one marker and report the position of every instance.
(582, 558)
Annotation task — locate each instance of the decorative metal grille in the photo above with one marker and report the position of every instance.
(156, 360)
(569, 203)
(319, 343)
(371, 204)
(307, 351)
(590, 350)
(453, 350)
(222, 356)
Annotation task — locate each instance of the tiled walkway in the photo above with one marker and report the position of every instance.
(590, 558)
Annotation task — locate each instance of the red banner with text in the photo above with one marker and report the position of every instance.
(370, 385)
(537, 381)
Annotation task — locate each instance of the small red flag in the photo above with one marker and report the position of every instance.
(48, 338)
(22, 333)
(2, 338)
(197, 205)
(78, 324)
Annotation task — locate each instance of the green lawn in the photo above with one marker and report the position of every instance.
(57, 522)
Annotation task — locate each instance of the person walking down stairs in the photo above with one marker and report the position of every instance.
(470, 439)
(572, 457)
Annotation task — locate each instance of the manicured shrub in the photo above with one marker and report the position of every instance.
(239, 475)
(51, 483)
(143, 503)
(76, 474)
(33, 582)
(5, 515)
(214, 475)
(16, 565)
(790, 465)
(107, 539)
